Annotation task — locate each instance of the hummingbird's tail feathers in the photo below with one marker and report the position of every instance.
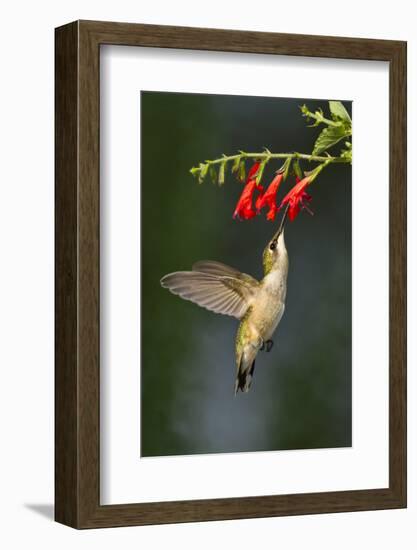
(244, 378)
(221, 294)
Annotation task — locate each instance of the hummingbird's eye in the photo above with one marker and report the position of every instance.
(272, 246)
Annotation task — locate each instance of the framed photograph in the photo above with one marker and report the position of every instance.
(230, 274)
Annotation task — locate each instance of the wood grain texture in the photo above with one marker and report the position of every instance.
(78, 285)
(66, 237)
(398, 273)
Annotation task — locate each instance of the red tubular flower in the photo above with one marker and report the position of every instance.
(244, 207)
(297, 198)
(269, 197)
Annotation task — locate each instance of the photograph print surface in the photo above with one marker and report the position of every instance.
(246, 223)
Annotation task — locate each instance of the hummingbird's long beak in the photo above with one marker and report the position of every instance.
(282, 224)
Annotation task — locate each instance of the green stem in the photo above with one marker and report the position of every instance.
(318, 117)
(266, 155)
(319, 168)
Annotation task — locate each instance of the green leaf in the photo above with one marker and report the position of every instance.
(221, 172)
(347, 154)
(213, 173)
(242, 170)
(297, 169)
(235, 165)
(317, 116)
(286, 168)
(338, 112)
(195, 170)
(329, 136)
(261, 171)
(203, 172)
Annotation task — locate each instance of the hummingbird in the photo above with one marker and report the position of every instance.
(258, 305)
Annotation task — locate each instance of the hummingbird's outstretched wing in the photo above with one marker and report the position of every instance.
(215, 286)
(217, 268)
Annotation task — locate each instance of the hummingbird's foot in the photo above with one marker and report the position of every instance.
(262, 346)
(269, 344)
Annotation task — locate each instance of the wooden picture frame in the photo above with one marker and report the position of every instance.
(77, 381)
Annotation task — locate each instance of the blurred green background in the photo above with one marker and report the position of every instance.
(301, 393)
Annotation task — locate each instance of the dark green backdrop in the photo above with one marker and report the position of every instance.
(301, 394)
